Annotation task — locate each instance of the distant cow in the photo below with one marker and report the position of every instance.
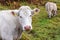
(11, 26)
(51, 9)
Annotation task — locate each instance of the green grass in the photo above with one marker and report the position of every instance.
(43, 28)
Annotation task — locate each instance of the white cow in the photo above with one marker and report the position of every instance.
(51, 9)
(11, 27)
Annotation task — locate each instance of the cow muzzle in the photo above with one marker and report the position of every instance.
(27, 28)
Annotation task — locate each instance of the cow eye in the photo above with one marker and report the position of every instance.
(20, 16)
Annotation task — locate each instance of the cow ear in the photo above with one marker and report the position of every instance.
(35, 11)
(14, 14)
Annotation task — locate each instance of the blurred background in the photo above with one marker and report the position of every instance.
(43, 28)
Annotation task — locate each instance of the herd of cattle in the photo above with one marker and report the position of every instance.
(14, 22)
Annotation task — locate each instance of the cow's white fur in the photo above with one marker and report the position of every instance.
(9, 22)
(50, 6)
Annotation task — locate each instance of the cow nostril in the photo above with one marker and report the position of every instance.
(27, 27)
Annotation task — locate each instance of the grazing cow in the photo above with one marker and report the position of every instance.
(51, 9)
(11, 26)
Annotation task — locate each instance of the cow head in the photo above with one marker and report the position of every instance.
(25, 17)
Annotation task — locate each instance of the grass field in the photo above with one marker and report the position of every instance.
(43, 28)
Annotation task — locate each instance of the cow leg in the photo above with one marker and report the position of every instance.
(49, 14)
(52, 12)
(55, 13)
